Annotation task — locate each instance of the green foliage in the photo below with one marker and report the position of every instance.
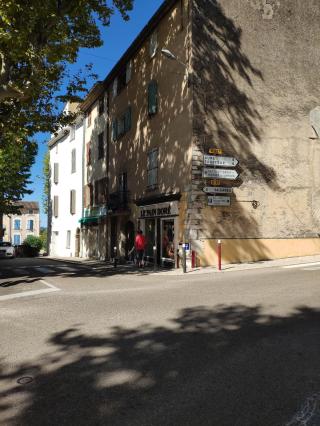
(16, 159)
(44, 237)
(32, 245)
(38, 39)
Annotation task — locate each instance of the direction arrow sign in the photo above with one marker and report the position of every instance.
(217, 190)
(220, 174)
(218, 201)
(213, 160)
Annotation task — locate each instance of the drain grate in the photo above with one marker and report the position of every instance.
(25, 380)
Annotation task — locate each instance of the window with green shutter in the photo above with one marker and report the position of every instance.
(127, 119)
(152, 98)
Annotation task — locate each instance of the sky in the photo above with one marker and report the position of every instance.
(117, 38)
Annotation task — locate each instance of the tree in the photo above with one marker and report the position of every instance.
(16, 159)
(37, 41)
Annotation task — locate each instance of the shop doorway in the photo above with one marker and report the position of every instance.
(167, 243)
(113, 236)
(129, 242)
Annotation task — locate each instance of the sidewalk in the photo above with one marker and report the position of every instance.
(99, 264)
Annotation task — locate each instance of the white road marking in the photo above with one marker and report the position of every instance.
(66, 268)
(302, 265)
(51, 289)
(308, 411)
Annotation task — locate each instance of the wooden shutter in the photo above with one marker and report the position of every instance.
(72, 201)
(127, 120)
(56, 206)
(88, 153)
(152, 98)
(56, 173)
(114, 130)
(128, 71)
(115, 87)
(73, 161)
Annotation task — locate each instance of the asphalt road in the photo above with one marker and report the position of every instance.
(87, 345)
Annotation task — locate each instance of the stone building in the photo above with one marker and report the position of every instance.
(237, 80)
(18, 226)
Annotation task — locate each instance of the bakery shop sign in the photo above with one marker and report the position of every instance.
(159, 210)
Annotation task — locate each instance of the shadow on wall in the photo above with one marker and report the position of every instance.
(227, 365)
(225, 116)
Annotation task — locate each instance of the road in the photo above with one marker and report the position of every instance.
(87, 346)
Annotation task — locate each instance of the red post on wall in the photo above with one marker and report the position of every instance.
(219, 249)
(193, 259)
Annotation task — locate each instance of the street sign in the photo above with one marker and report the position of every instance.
(218, 201)
(212, 160)
(220, 174)
(217, 190)
(215, 182)
(186, 246)
(217, 151)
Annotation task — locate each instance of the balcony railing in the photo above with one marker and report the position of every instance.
(99, 211)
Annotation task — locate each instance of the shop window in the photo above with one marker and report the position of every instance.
(100, 146)
(153, 44)
(152, 168)
(152, 98)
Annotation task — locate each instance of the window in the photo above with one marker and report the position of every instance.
(89, 117)
(55, 206)
(16, 240)
(30, 225)
(152, 167)
(72, 201)
(30, 211)
(121, 125)
(153, 44)
(73, 160)
(88, 196)
(17, 224)
(128, 71)
(72, 132)
(123, 183)
(56, 173)
(101, 105)
(100, 146)
(115, 87)
(68, 239)
(88, 153)
(152, 98)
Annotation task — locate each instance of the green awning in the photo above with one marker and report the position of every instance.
(88, 220)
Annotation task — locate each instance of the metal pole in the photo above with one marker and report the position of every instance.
(219, 255)
(115, 256)
(184, 258)
(155, 258)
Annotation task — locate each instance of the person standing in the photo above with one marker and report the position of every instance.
(140, 245)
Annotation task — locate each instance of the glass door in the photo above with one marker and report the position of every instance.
(167, 243)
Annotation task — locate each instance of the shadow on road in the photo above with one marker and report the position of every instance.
(227, 365)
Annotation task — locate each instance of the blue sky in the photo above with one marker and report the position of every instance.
(117, 38)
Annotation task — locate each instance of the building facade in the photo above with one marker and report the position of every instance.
(212, 144)
(18, 226)
(66, 189)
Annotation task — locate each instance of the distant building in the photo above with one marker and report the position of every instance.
(18, 227)
(65, 189)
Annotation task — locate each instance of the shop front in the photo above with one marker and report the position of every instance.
(159, 223)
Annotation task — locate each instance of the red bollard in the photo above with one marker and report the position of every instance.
(193, 259)
(219, 255)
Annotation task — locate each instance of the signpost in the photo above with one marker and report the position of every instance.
(217, 190)
(218, 201)
(219, 174)
(216, 151)
(212, 160)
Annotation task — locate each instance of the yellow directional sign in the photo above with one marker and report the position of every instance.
(215, 182)
(217, 151)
